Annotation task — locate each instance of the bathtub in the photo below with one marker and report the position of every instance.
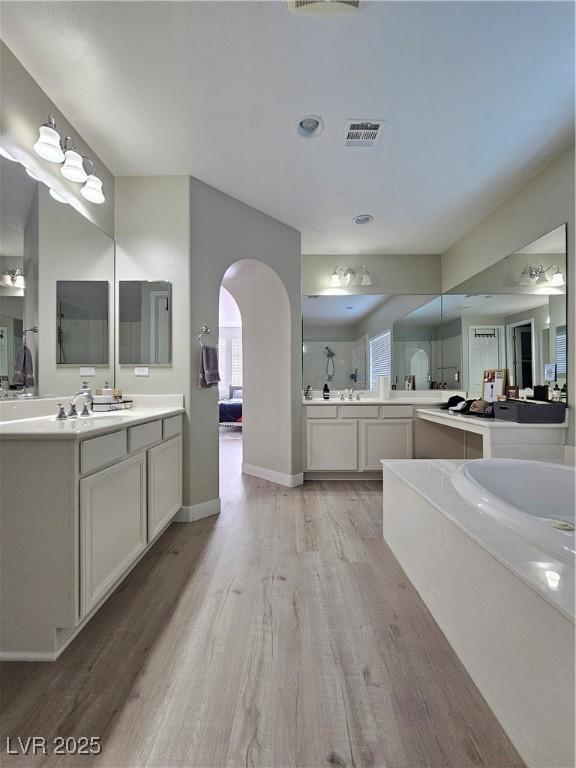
(534, 498)
(476, 540)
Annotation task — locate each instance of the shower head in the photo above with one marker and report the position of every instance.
(329, 352)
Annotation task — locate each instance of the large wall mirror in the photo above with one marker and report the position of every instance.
(82, 328)
(55, 267)
(513, 316)
(145, 328)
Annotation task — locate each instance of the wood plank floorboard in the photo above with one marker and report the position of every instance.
(282, 633)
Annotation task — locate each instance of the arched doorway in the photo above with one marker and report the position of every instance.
(266, 367)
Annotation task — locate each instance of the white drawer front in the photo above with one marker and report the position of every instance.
(321, 411)
(99, 451)
(397, 411)
(172, 426)
(143, 435)
(359, 411)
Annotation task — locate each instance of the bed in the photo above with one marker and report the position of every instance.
(230, 409)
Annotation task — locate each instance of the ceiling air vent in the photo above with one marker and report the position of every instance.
(362, 133)
(312, 7)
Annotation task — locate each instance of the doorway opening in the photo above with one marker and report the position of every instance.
(231, 386)
(521, 353)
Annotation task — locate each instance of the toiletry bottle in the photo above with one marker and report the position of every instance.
(326, 392)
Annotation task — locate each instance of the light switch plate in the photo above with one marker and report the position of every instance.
(141, 371)
(87, 371)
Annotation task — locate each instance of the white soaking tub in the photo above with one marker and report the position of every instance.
(534, 498)
(483, 544)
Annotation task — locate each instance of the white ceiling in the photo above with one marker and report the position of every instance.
(339, 310)
(477, 96)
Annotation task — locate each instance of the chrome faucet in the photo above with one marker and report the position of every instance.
(86, 393)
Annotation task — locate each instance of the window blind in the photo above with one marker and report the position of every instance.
(236, 372)
(561, 350)
(380, 358)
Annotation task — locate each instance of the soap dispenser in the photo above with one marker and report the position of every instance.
(326, 392)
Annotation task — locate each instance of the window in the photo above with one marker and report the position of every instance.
(236, 364)
(380, 358)
(561, 350)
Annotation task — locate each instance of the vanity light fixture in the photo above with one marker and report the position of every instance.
(348, 277)
(92, 189)
(537, 276)
(48, 143)
(73, 168)
(12, 278)
(57, 196)
(7, 155)
(32, 174)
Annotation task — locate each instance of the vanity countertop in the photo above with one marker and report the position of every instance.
(476, 423)
(47, 428)
(377, 401)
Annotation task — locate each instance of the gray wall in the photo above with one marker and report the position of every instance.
(24, 108)
(182, 230)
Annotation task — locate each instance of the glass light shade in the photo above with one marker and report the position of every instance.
(349, 276)
(48, 145)
(525, 278)
(19, 281)
(92, 190)
(73, 168)
(57, 196)
(557, 280)
(366, 279)
(6, 281)
(335, 280)
(7, 155)
(542, 279)
(33, 175)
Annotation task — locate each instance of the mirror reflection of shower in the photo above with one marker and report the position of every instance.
(330, 365)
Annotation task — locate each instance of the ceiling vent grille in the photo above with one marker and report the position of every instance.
(362, 133)
(323, 6)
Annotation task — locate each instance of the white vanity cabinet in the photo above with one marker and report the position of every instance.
(113, 527)
(164, 484)
(332, 444)
(93, 498)
(353, 437)
(384, 439)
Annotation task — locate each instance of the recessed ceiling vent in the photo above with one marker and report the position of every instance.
(324, 7)
(362, 133)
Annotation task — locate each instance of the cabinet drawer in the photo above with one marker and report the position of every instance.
(144, 435)
(99, 451)
(321, 411)
(396, 411)
(171, 426)
(358, 411)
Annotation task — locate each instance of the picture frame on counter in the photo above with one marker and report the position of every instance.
(494, 383)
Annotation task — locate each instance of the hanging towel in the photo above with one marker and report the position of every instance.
(24, 368)
(209, 376)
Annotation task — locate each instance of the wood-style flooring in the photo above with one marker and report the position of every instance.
(282, 633)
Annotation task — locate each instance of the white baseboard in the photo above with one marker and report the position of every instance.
(28, 656)
(290, 481)
(197, 511)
